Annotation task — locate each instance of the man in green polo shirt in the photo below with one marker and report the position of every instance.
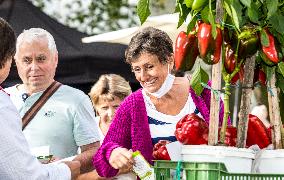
(66, 121)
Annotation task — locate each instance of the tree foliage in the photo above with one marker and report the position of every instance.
(92, 17)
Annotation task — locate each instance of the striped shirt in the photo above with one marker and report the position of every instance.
(163, 126)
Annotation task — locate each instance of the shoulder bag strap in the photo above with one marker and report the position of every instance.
(30, 114)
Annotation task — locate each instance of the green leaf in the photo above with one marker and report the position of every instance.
(253, 13)
(199, 76)
(204, 14)
(213, 24)
(281, 68)
(246, 3)
(188, 3)
(143, 10)
(235, 18)
(180, 20)
(192, 23)
(237, 13)
(177, 10)
(264, 38)
(184, 11)
(277, 22)
(280, 81)
(269, 71)
(272, 6)
(228, 9)
(280, 38)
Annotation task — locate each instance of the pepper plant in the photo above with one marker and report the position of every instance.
(248, 28)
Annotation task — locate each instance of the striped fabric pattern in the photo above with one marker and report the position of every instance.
(162, 126)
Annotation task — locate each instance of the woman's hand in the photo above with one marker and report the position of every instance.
(121, 158)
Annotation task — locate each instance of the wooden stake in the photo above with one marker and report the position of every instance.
(216, 84)
(274, 113)
(245, 101)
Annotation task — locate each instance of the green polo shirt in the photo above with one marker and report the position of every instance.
(65, 122)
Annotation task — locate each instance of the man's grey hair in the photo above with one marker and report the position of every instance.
(33, 34)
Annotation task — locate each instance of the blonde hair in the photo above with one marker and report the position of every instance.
(109, 86)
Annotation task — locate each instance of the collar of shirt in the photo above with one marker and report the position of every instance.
(1, 89)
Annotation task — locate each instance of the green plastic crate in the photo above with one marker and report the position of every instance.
(171, 170)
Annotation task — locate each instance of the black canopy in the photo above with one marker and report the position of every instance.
(79, 63)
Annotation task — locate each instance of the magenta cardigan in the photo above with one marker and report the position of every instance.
(130, 129)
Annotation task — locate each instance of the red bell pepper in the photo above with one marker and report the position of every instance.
(186, 51)
(257, 133)
(191, 129)
(160, 151)
(269, 132)
(217, 46)
(209, 48)
(230, 60)
(259, 76)
(270, 51)
(265, 59)
(235, 78)
(238, 76)
(181, 48)
(204, 36)
(231, 136)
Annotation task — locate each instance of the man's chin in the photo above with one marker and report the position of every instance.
(36, 84)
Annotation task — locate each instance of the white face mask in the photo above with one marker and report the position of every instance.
(166, 86)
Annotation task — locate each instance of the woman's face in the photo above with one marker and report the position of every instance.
(106, 109)
(150, 72)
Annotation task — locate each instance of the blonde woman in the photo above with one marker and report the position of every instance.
(106, 94)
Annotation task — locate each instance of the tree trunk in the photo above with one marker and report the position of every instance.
(216, 84)
(245, 101)
(274, 113)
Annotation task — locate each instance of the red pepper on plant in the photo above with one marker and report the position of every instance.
(186, 51)
(265, 59)
(160, 151)
(238, 76)
(181, 48)
(257, 133)
(230, 60)
(192, 52)
(191, 129)
(231, 136)
(204, 36)
(270, 51)
(259, 76)
(209, 48)
(269, 131)
(217, 47)
(235, 78)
